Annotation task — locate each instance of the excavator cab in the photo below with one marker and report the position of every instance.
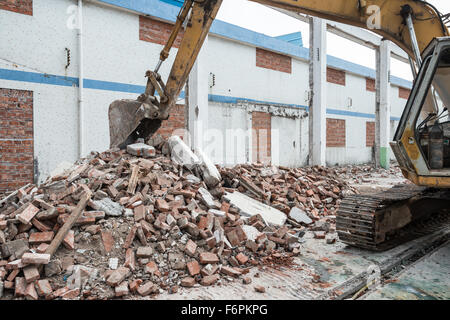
(422, 140)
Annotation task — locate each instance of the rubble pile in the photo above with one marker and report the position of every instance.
(315, 190)
(153, 218)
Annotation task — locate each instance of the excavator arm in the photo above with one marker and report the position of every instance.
(383, 17)
(133, 119)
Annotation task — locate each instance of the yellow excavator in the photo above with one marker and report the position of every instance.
(421, 142)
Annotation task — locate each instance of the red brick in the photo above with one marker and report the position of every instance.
(31, 273)
(20, 286)
(234, 272)
(260, 289)
(130, 259)
(147, 288)
(209, 280)
(370, 85)
(42, 248)
(193, 267)
(43, 288)
(13, 275)
(40, 226)
(336, 76)
(36, 258)
(30, 292)
(336, 134)
(144, 252)
(27, 214)
(162, 205)
(71, 294)
(242, 258)
(69, 240)
(152, 268)
(117, 276)
(40, 237)
(130, 237)
(208, 257)
(403, 93)
(370, 134)
(155, 31)
(16, 145)
(134, 285)
(190, 247)
(274, 61)
(188, 282)
(108, 240)
(139, 213)
(18, 6)
(175, 123)
(122, 289)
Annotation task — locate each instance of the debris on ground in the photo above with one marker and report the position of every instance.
(155, 218)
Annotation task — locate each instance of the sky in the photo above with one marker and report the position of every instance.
(256, 17)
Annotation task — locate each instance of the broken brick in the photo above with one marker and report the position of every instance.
(40, 237)
(193, 267)
(208, 257)
(36, 258)
(108, 240)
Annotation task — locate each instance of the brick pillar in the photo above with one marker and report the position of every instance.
(16, 139)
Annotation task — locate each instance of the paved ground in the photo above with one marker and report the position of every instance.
(321, 269)
(426, 279)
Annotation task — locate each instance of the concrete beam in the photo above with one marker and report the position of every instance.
(198, 100)
(317, 82)
(383, 105)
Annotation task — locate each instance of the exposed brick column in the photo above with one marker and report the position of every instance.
(370, 134)
(19, 6)
(336, 136)
(16, 139)
(261, 137)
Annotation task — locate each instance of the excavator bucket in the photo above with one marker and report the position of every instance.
(130, 120)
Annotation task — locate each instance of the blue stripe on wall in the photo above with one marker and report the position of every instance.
(51, 79)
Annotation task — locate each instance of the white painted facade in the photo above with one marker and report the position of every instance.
(114, 54)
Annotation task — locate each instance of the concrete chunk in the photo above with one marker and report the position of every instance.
(210, 174)
(250, 207)
(141, 150)
(110, 207)
(182, 154)
(207, 198)
(299, 216)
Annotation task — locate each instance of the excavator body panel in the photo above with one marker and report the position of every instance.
(422, 141)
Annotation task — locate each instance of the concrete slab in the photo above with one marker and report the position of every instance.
(250, 207)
